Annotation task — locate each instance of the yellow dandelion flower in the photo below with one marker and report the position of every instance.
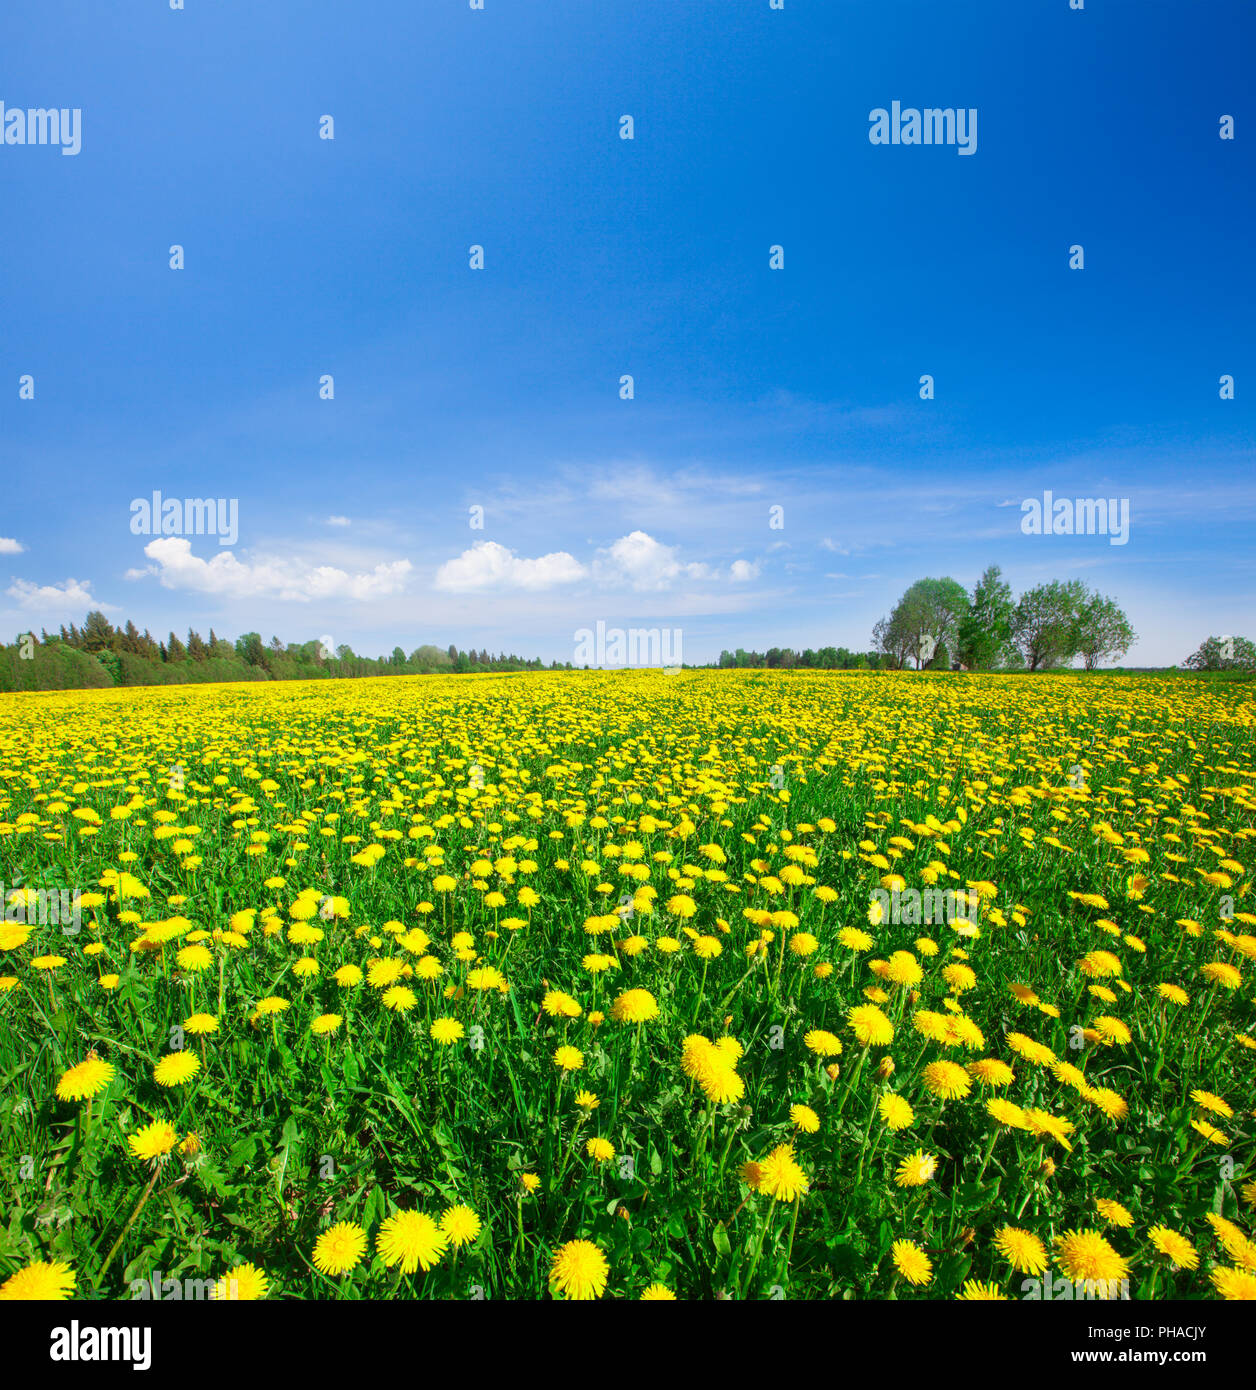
(916, 1170)
(340, 1248)
(911, 1262)
(804, 1119)
(45, 1281)
(579, 1270)
(85, 1080)
(1175, 1245)
(155, 1140)
(460, 1224)
(175, 1068)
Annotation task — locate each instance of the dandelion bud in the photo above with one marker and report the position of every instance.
(831, 1071)
(885, 1069)
(1047, 1168)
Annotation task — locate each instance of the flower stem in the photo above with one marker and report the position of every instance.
(139, 1206)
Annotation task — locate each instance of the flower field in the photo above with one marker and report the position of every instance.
(631, 985)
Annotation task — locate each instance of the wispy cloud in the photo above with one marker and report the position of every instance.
(72, 595)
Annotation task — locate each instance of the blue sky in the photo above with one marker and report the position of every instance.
(500, 388)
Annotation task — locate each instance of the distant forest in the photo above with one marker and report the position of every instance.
(826, 659)
(98, 655)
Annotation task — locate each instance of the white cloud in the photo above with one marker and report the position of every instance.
(337, 521)
(643, 563)
(8, 546)
(641, 486)
(828, 543)
(73, 593)
(488, 565)
(294, 580)
(635, 561)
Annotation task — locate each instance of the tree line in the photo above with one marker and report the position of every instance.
(99, 654)
(784, 658)
(936, 625)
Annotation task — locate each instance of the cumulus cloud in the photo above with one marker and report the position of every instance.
(293, 580)
(73, 593)
(488, 565)
(8, 546)
(635, 561)
(643, 563)
(337, 521)
(828, 543)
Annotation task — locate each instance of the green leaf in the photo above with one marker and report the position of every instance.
(885, 1238)
(352, 1072)
(954, 1270)
(374, 1211)
(243, 1152)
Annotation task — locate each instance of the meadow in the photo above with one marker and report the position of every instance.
(585, 985)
